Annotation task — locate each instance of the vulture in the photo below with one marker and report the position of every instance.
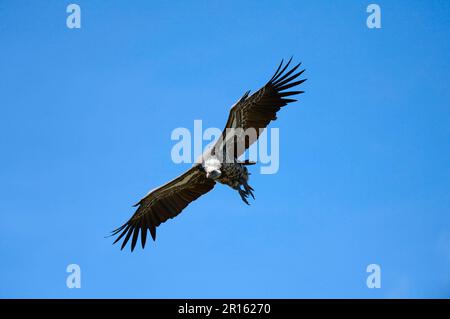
(218, 164)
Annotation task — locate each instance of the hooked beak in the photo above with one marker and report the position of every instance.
(213, 174)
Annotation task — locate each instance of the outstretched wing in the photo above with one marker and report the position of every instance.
(163, 203)
(257, 110)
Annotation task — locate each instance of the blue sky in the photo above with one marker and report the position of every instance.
(86, 118)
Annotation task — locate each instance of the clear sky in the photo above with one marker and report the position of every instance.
(85, 125)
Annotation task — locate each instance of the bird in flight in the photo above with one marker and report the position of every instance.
(218, 164)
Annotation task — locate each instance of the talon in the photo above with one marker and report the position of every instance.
(243, 196)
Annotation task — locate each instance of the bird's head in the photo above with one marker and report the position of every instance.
(212, 168)
(215, 174)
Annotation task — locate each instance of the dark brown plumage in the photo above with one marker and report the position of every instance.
(163, 203)
(259, 109)
(251, 111)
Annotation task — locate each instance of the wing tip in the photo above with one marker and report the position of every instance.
(133, 233)
(281, 77)
(153, 232)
